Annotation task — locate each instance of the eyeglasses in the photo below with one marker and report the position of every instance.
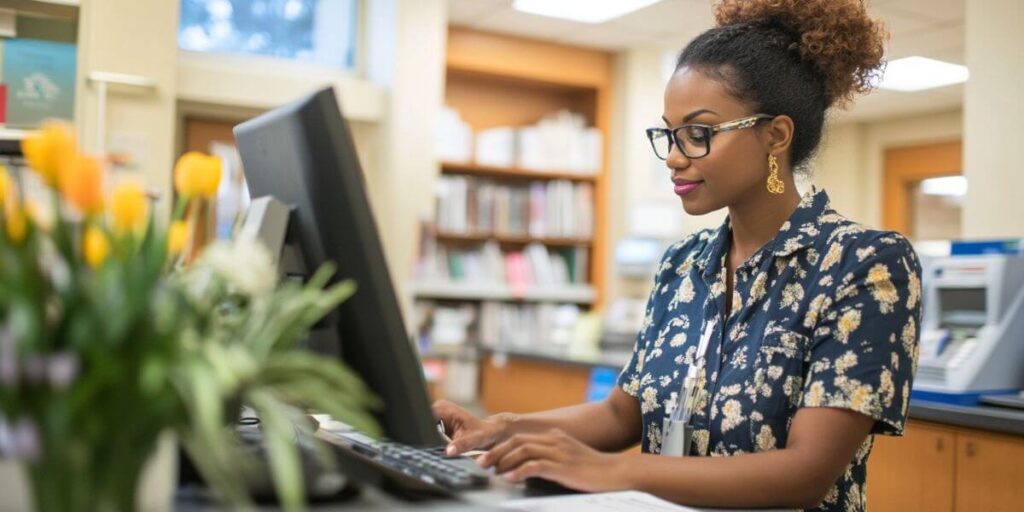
(695, 141)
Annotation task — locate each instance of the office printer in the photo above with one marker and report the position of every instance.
(972, 332)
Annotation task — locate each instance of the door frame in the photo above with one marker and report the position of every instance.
(905, 166)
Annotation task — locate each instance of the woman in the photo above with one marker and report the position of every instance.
(812, 319)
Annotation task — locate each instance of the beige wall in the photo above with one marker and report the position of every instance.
(412, 62)
(260, 83)
(131, 37)
(850, 161)
(840, 168)
(993, 111)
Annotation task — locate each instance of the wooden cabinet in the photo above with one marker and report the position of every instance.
(509, 384)
(990, 472)
(940, 468)
(914, 472)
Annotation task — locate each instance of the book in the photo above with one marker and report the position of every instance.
(551, 209)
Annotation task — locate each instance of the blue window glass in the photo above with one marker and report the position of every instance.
(316, 31)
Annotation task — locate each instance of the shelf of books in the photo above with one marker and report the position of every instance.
(514, 253)
(512, 173)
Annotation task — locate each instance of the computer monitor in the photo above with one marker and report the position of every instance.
(303, 155)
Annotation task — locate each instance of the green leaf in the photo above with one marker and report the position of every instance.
(279, 438)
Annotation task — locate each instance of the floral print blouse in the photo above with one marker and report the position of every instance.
(826, 314)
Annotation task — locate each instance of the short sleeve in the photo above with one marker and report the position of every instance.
(863, 354)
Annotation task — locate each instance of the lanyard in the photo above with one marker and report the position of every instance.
(693, 383)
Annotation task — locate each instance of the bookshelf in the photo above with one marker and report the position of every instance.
(506, 239)
(569, 294)
(495, 81)
(492, 82)
(512, 173)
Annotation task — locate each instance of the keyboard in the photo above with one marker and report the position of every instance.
(426, 465)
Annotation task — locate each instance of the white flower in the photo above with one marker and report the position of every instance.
(245, 265)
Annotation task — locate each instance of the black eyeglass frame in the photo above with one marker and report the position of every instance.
(709, 132)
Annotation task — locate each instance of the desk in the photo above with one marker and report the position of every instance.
(371, 499)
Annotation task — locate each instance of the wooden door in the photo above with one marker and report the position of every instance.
(990, 473)
(905, 167)
(914, 472)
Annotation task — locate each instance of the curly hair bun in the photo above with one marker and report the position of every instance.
(837, 36)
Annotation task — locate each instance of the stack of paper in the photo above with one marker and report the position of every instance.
(560, 141)
(496, 146)
(624, 501)
(454, 137)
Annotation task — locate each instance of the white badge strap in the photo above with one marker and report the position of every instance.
(688, 390)
(702, 349)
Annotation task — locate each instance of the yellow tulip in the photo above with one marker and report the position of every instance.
(177, 237)
(48, 149)
(197, 175)
(95, 247)
(16, 224)
(6, 186)
(81, 183)
(128, 207)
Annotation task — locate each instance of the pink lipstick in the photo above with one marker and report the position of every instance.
(683, 187)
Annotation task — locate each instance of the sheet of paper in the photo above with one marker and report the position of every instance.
(624, 501)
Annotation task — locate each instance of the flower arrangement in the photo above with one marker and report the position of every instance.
(115, 329)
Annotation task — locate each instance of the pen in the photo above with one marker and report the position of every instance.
(693, 382)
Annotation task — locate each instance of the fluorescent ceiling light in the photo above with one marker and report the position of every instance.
(919, 73)
(945, 186)
(586, 11)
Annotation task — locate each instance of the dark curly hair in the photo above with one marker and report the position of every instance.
(792, 57)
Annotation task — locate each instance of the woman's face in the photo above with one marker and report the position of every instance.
(737, 165)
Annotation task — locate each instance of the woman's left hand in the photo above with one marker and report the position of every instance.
(556, 456)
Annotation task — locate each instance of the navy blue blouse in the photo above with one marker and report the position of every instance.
(826, 314)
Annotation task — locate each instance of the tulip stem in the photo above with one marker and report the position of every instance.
(179, 209)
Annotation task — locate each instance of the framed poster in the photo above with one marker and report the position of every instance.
(40, 78)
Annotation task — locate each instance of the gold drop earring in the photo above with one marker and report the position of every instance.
(775, 185)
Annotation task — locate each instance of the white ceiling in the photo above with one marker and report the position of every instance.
(930, 28)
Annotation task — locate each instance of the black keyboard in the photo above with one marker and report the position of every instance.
(425, 465)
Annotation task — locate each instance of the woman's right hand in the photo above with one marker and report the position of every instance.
(469, 432)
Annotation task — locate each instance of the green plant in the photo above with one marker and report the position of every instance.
(242, 348)
(108, 339)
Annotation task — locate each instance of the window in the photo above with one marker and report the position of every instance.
(315, 31)
(936, 205)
